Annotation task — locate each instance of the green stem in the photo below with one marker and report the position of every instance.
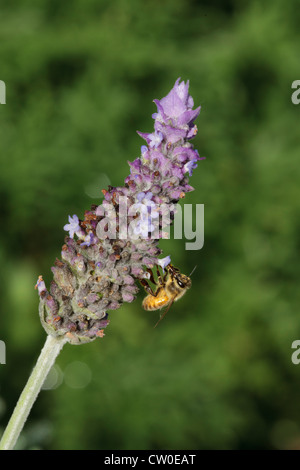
(44, 363)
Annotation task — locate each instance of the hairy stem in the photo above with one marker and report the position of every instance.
(44, 363)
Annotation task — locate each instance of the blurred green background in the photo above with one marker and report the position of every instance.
(81, 76)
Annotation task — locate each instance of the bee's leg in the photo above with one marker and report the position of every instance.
(159, 278)
(151, 277)
(148, 288)
(165, 312)
(172, 270)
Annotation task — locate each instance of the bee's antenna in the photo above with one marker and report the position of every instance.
(193, 271)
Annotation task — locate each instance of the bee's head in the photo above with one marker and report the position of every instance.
(183, 281)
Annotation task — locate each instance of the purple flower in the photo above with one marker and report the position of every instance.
(96, 273)
(164, 262)
(135, 165)
(144, 197)
(155, 139)
(40, 285)
(177, 105)
(189, 167)
(89, 239)
(146, 207)
(73, 225)
(143, 226)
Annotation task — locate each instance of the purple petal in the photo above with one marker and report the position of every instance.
(164, 262)
(73, 226)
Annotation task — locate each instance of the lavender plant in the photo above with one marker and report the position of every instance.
(111, 248)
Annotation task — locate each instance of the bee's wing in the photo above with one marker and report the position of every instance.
(166, 311)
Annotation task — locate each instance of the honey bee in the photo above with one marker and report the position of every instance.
(169, 288)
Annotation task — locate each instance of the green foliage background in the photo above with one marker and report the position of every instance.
(81, 76)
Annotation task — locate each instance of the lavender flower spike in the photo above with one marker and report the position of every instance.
(97, 273)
